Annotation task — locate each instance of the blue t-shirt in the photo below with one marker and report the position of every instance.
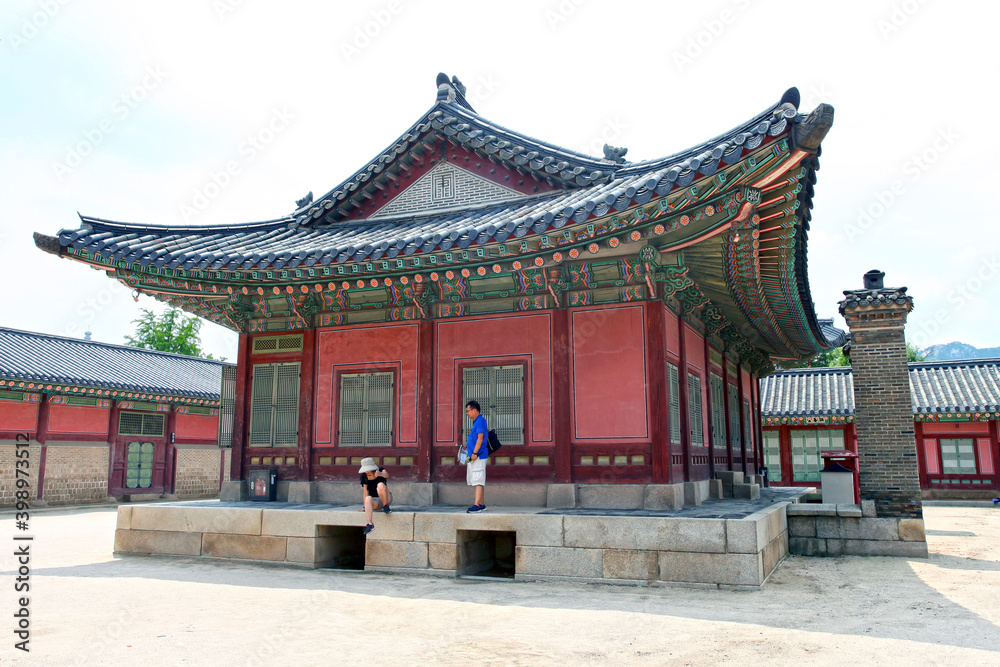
(478, 426)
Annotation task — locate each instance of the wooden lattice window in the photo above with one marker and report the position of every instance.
(806, 446)
(734, 417)
(140, 423)
(772, 456)
(276, 344)
(673, 378)
(227, 407)
(139, 467)
(366, 410)
(274, 405)
(499, 390)
(718, 410)
(958, 456)
(694, 410)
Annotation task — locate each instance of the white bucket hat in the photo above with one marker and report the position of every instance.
(368, 465)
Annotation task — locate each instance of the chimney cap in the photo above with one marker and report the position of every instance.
(874, 279)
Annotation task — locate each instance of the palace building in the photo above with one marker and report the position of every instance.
(956, 410)
(107, 420)
(612, 317)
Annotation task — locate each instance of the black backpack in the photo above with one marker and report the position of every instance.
(493, 442)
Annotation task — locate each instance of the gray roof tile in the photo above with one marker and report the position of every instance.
(936, 387)
(36, 357)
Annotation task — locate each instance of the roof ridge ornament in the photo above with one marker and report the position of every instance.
(614, 154)
(452, 91)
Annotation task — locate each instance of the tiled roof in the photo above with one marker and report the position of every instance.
(314, 235)
(971, 385)
(35, 357)
(936, 387)
(808, 392)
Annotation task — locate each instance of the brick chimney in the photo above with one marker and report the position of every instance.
(883, 413)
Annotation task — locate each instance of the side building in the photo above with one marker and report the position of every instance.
(956, 410)
(108, 420)
(612, 317)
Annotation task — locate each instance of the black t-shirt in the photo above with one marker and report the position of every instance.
(372, 484)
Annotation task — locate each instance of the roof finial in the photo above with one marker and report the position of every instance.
(305, 201)
(614, 154)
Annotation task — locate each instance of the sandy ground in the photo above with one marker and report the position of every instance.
(89, 607)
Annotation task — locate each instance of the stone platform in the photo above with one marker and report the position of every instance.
(720, 543)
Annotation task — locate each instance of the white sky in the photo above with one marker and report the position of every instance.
(162, 95)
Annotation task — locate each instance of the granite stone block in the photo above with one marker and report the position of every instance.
(802, 526)
(807, 546)
(234, 491)
(884, 548)
(654, 533)
(912, 530)
(559, 561)
(249, 547)
(302, 492)
(235, 520)
(124, 517)
(631, 564)
(695, 493)
(773, 553)
(716, 489)
(868, 509)
(560, 495)
(157, 542)
(731, 569)
(442, 556)
(664, 497)
(388, 553)
(530, 529)
(611, 496)
(857, 528)
(746, 491)
(338, 493)
(852, 511)
(741, 536)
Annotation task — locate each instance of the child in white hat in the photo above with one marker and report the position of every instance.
(374, 489)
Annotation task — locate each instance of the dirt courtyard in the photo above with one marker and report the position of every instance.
(89, 607)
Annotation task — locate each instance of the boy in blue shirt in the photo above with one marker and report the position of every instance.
(476, 447)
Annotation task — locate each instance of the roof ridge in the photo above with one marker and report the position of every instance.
(97, 343)
(931, 363)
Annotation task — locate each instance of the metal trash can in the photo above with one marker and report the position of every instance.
(838, 479)
(263, 485)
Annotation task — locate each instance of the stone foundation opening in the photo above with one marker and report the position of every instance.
(486, 553)
(340, 547)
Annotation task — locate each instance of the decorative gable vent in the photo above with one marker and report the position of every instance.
(445, 186)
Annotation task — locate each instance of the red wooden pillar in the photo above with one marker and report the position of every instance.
(708, 411)
(425, 400)
(758, 430)
(918, 436)
(562, 450)
(241, 407)
(116, 458)
(726, 409)
(995, 446)
(307, 396)
(41, 434)
(169, 452)
(785, 455)
(684, 401)
(657, 366)
(744, 431)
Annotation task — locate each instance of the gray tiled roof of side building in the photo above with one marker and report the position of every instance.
(969, 385)
(38, 357)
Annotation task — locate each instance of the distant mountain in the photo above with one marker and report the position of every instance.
(956, 350)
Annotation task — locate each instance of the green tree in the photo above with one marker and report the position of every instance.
(913, 353)
(172, 331)
(833, 357)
